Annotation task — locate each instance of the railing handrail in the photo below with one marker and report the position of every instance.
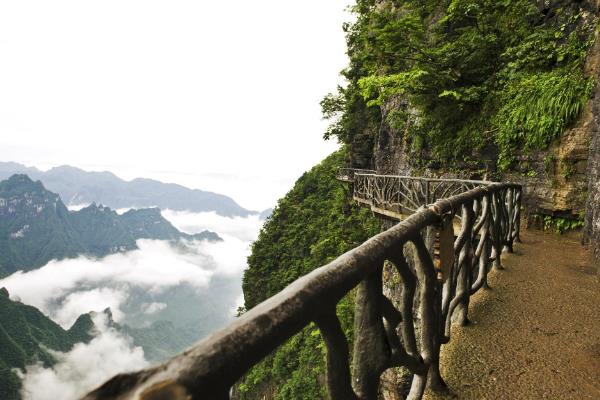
(211, 367)
(425, 179)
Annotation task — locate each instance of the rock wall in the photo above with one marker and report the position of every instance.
(592, 220)
(593, 203)
(557, 181)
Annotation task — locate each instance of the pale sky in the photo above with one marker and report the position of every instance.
(221, 96)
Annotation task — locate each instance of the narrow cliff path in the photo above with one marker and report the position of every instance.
(536, 333)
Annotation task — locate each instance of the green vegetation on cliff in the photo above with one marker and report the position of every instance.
(460, 75)
(25, 337)
(312, 225)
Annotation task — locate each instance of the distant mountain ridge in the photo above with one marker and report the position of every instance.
(36, 227)
(76, 186)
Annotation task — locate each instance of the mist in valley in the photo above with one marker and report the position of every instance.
(185, 289)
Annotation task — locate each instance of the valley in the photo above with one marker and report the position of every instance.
(127, 279)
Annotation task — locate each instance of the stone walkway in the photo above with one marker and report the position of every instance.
(536, 333)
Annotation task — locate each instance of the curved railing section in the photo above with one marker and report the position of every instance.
(396, 195)
(386, 335)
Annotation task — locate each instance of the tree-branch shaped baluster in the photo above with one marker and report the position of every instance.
(458, 299)
(339, 384)
(430, 332)
(496, 229)
(517, 215)
(370, 353)
(410, 199)
(482, 252)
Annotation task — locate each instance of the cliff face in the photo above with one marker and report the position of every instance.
(592, 219)
(559, 181)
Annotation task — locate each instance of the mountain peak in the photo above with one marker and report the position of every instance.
(93, 208)
(150, 211)
(106, 313)
(19, 179)
(19, 184)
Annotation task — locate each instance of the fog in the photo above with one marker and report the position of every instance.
(241, 228)
(84, 367)
(68, 288)
(190, 283)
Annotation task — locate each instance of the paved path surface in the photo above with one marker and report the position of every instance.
(536, 333)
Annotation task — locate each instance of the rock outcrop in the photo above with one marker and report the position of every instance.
(592, 213)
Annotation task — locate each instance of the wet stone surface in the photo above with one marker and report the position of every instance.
(536, 333)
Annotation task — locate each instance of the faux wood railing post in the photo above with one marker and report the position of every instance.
(496, 231)
(482, 252)
(369, 348)
(463, 286)
(510, 221)
(429, 324)
(339, 384)
(517, 223)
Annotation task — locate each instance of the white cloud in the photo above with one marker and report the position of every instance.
(64, 288)
(151, 308)
(245, 229)
(138, 286)
(76, 207)
(238, 233)
(84, 367)
(68, 288)
(82, 302)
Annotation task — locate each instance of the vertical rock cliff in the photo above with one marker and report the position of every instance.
(592, 219)
(561, 178)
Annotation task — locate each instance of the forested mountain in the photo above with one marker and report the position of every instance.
(36, 227)
(76, 186)
(25, 337)
(313, 224)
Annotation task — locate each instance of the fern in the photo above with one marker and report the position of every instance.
(537, 109)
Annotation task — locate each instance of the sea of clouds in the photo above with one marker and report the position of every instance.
(139, 287)
(84, 367)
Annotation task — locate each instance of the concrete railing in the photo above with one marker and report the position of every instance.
(436, 286)
(395, 195)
